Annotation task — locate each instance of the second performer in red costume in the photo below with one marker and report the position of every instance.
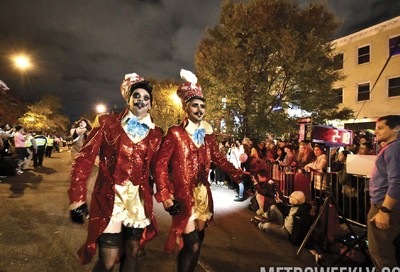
(189, 149)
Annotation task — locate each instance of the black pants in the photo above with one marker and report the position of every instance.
(49, 150)
(38, 157)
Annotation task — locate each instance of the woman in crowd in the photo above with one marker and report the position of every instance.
(318, 168)
(20, 149)
(233, 157)
(301, 179)
(79, 133)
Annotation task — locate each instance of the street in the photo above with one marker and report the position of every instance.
(37, 235)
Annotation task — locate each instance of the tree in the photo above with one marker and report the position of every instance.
(265, 57)
(44, 116)
(12, 107)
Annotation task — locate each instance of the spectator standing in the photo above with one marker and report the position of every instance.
(245, 159)
(20, 149)
(219, 174)
(41, 142)
(384, 187)
(233, 157)
(31, 149)
(79, 134)
(49, 145)
(318, 168)
(301, 179)
(6, 134)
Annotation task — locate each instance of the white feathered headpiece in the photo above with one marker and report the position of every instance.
(190, 89)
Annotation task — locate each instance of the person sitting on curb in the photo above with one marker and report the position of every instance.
(277, 222)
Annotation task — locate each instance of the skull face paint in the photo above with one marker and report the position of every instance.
(195, 110)
(139, 103)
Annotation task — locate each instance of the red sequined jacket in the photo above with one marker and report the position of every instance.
(119, 160)
(190, 166)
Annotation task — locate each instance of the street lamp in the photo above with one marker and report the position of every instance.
(22, 62)
(101, 108)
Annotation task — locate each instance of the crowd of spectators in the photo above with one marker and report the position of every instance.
(19, 148)
(289, 172)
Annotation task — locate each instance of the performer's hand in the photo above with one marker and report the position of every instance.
(168, 203)
(381, 220)
(77, 215)
(174, 208)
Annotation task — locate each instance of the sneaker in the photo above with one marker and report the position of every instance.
(254, 221)
(239, 199)
(259, 212)
(262, 219)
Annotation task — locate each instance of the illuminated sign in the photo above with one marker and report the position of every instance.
(329, 136)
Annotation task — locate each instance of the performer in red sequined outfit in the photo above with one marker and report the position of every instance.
(189, 149)
(121, 209)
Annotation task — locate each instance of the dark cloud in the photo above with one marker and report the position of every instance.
(83, 48)
(359, 14)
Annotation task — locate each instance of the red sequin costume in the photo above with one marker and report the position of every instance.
(190, 166)
(120, 160)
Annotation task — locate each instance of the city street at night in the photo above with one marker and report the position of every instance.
(37, 235)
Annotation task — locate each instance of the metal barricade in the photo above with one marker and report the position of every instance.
(352, 200)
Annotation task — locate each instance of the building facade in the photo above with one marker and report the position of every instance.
(370, 62)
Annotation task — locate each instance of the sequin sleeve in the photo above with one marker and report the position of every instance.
(83, 164)
(163, 183)
(220, 160)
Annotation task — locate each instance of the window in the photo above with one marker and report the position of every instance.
(393, 49)
(363, 54)
(339, 93)
(338, 62)
(363, 92)
(394, 87)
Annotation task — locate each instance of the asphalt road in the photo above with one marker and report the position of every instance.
(36, 234)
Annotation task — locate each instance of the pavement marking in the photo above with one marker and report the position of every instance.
(205, 266)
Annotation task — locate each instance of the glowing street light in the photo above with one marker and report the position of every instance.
(22, 62)
(101, 108)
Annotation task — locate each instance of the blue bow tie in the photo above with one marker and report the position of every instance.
(135, 128)
(198, 136)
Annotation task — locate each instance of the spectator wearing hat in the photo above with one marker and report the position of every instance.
(121, 210)
(189, 149)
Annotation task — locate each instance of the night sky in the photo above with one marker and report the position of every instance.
(81, 49)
